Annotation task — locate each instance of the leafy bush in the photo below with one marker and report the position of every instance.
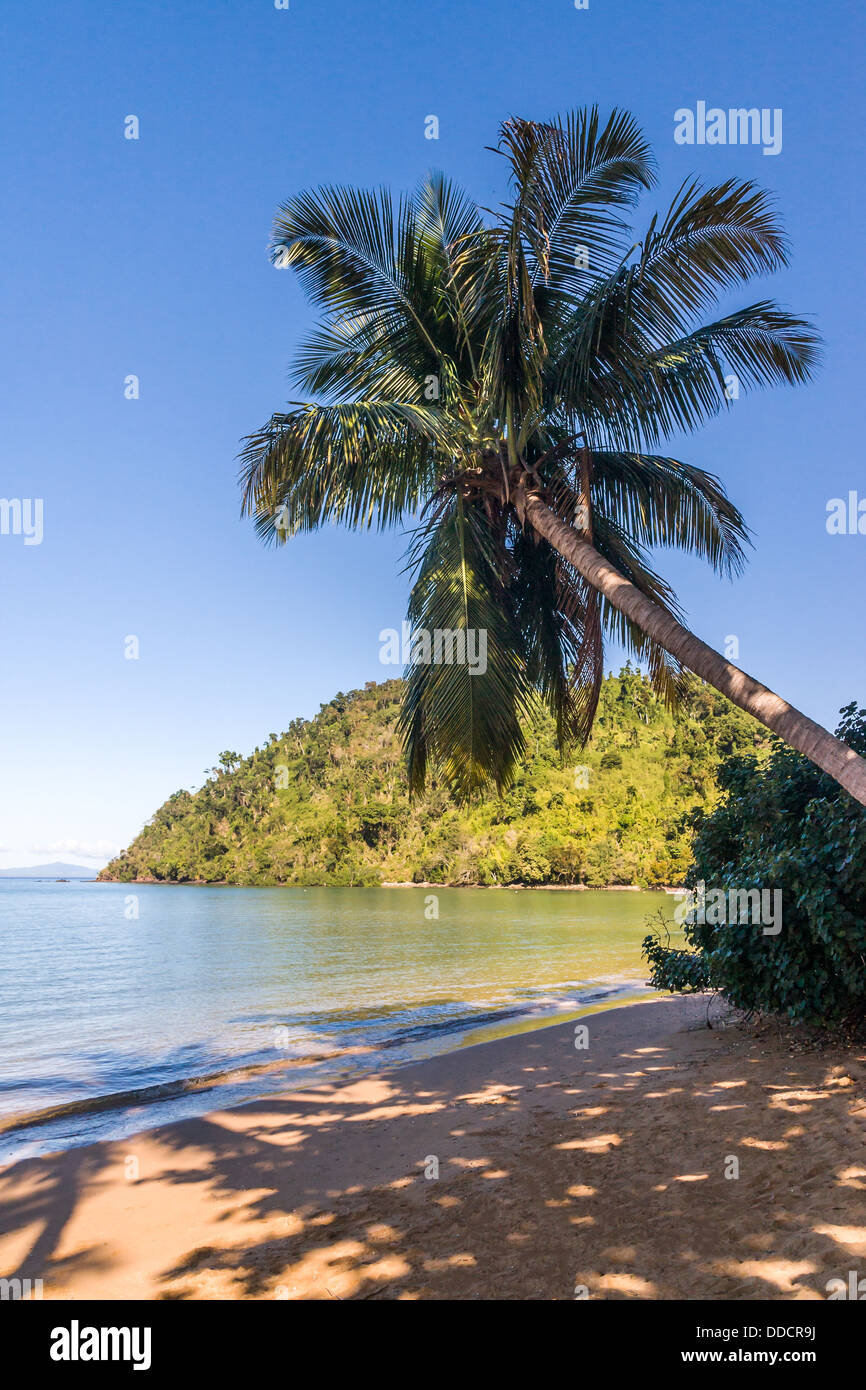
(781, 824)
(681, 972)
(566, 863)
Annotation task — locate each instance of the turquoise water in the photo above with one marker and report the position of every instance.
(125, 1021)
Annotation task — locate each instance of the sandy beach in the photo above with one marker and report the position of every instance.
(607, 1170)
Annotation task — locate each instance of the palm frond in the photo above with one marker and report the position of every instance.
(365, 463)
(659, 501)
(355, 252)
(633, 396)
(570, 175)
(711, 240)
(552, 624)
(465, 725)
(458, 246)
(364, 358)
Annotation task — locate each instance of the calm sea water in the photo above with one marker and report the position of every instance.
(208, 996)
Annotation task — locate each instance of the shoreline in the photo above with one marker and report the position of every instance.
(486, 887)
(226, 1088)
(521, 1168)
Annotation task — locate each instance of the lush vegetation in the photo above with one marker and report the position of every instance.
(781, 824)
(327, 802)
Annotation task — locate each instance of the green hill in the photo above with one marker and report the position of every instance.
(326, 803)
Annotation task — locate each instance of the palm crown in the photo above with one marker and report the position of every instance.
(464, 364)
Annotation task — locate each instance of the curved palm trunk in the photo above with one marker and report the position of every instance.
(797, 730)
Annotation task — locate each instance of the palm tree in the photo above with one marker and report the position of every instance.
(510, 381)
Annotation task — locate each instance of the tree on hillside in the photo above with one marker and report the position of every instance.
(513, 380)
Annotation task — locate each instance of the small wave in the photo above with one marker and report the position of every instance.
(535, 1004)
(168, 1090)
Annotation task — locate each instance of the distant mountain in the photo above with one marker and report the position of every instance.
(50, 871)
(326, 802)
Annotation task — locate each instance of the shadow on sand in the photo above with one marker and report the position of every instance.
(610, 1170)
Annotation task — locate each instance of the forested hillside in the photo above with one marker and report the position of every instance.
(326, 803)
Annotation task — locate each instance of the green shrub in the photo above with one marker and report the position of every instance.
(671, 968)
(781, 825)
(566, 863)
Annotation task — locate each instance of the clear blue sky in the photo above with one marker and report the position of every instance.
(149, 257)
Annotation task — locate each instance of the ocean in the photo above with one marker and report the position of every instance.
(125, 1006)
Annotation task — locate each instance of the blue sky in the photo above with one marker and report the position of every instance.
(148, 257)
